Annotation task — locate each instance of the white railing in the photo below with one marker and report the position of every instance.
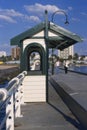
(11, 98)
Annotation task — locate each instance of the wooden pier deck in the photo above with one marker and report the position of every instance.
(55, 115)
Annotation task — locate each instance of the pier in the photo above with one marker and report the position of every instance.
(72, 89)
(35, 100)
(66, 107)
(59, 113)
(53, 115)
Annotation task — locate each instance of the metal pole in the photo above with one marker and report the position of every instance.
(66, 22)
(46, 37)
(52, 62)
(3, 94)
(10, 113)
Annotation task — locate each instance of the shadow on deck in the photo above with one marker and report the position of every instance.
(53, 115)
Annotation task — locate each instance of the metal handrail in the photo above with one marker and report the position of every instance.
(9, 96)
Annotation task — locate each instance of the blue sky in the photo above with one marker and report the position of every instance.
(17, 16)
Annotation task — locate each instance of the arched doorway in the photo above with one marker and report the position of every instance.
(35, 59)
(35, 82)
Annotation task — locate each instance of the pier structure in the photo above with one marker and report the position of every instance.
(66, 107)
(35, 44)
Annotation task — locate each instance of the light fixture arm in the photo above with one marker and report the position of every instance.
(66, 22)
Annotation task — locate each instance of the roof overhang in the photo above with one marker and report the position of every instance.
(61, 40)
(64, 39)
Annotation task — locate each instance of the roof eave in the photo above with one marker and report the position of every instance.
(27, 34)
(66, 33)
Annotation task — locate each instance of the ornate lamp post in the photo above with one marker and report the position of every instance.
(52, 20)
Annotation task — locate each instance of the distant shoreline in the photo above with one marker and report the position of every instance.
(7, 72)
(7, 66)
(80, 64)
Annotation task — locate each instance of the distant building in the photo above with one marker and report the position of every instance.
(66, 52)
(2, 53)
(15, 53)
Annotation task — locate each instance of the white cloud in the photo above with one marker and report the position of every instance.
(33, 18)
(41, 8)
(7, 18)
(10, 12)
(10, 15)
(70, 8)
(84, 14)
(75, 19)
(4, 45)
(85, 39)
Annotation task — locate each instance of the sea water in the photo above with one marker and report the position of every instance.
(81, 69)
(2, 110)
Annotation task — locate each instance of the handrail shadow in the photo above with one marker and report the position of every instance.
(74, 122)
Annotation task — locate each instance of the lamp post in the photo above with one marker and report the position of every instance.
(52, 20)
(63, 12)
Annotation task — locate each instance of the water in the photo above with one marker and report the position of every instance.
(4, 84)
(2, 115)
(2, 110)
(82, 69)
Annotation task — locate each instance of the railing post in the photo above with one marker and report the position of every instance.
(21, 94)
(3, 94)
(10, 113)
(23, 74)
(18, 103)
(11, 96)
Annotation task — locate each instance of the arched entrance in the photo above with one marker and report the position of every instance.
(35, 81)
(35, 59)
(37, 41)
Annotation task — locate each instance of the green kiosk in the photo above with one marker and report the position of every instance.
(35, 44)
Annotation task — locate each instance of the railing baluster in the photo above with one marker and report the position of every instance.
(17, 103)
(10, 110)
(12, 97)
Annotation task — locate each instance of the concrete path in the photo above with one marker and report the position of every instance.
(76, 84)
(72, 87)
